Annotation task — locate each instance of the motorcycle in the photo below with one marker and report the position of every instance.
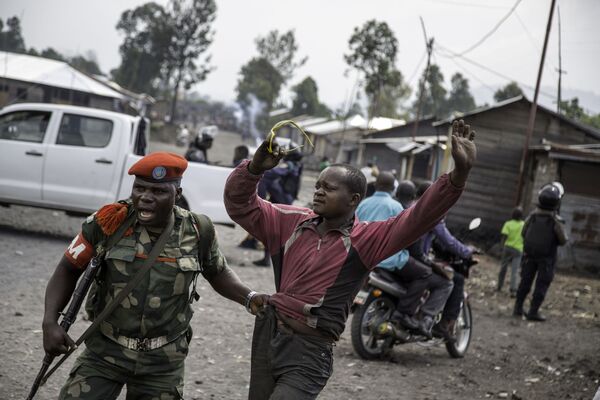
(374, 333)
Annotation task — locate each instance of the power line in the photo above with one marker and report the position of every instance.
(462, 3)
(450, 54)
(532, 40)
(472, 75)
(414, 73)
(494, 29)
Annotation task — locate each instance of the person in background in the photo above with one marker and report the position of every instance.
(543, 232)
(416, 275)
(197, 150)
(370, 172)
(451, 244)
(324, 163)
(512, 250)
(240, 153)
(406, 193)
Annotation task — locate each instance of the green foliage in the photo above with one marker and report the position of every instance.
(460, 98)
(306, 99)
(162, 46)
(373, 51)
(508, 92)
(355, 109)
(280, 50)
(88, 65)
(49, 52)
(11, 38)
(434, 94)
(572, 109)
(144, 49)
(260, 79)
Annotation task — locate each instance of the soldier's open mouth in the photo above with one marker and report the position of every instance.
(145, 215)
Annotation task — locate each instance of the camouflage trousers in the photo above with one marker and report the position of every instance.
(93, 378)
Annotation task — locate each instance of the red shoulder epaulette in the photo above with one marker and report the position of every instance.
(111, 216)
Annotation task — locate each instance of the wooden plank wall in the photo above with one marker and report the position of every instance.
(582, 220)
(491, 191)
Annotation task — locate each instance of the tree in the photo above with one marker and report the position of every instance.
(280, 51)
(572, 109)
(508, 92)
(460, 98)
(191, 21)
(434, 101)
(11, 38)
(306, 99)
(373, 51)
(87, 64)
(49, 52)
(261, 81)
(144, 49)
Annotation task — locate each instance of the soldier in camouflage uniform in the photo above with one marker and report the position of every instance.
(144, 341)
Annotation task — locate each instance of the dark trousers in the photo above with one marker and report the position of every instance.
(530, 267)
(452, 308)
(286, 365)
(420, 277)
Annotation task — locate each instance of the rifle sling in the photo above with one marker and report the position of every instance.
(156, 249)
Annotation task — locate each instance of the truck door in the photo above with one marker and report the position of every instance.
(81, 166)
(22, 154)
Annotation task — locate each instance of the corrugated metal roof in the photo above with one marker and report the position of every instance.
(586, 128)
(44, 71)
(357, 122)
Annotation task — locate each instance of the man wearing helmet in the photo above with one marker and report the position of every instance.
(542, 234)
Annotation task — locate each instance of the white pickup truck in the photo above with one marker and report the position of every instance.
(76, 159)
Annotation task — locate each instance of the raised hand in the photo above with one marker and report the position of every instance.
(464, 152)
(264, 160)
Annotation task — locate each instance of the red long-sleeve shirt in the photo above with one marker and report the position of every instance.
(317, 276)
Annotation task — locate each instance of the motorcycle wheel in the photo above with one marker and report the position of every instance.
(367, 317)
(463, 332)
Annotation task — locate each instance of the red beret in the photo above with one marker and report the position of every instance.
(159, 167)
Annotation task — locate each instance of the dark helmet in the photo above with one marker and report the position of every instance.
(549, 197)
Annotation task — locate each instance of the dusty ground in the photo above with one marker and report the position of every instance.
(507, 358)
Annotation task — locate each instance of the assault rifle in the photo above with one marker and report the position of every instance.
(68, 319)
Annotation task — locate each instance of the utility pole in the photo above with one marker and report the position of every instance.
(429, 44)
(533, 110)
(559, 70)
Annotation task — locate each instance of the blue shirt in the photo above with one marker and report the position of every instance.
(380, 207)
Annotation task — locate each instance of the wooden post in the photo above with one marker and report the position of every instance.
(533, 110)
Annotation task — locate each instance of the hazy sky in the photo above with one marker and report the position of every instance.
(324, 27)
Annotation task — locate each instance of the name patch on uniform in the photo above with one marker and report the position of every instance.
(159, 172)
(79, 252)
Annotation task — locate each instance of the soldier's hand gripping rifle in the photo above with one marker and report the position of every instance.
(68, 318)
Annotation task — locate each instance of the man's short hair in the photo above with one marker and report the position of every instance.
(356, 181)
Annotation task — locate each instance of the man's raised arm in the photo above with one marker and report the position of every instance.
(382, 239)
(265, 221)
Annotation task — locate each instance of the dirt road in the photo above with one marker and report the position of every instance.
(507, 358)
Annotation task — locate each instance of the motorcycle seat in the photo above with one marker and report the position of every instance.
(386, 275)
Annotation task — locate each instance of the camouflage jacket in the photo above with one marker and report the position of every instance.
(161, 305)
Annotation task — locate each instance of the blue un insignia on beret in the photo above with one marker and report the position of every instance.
(159, 172)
